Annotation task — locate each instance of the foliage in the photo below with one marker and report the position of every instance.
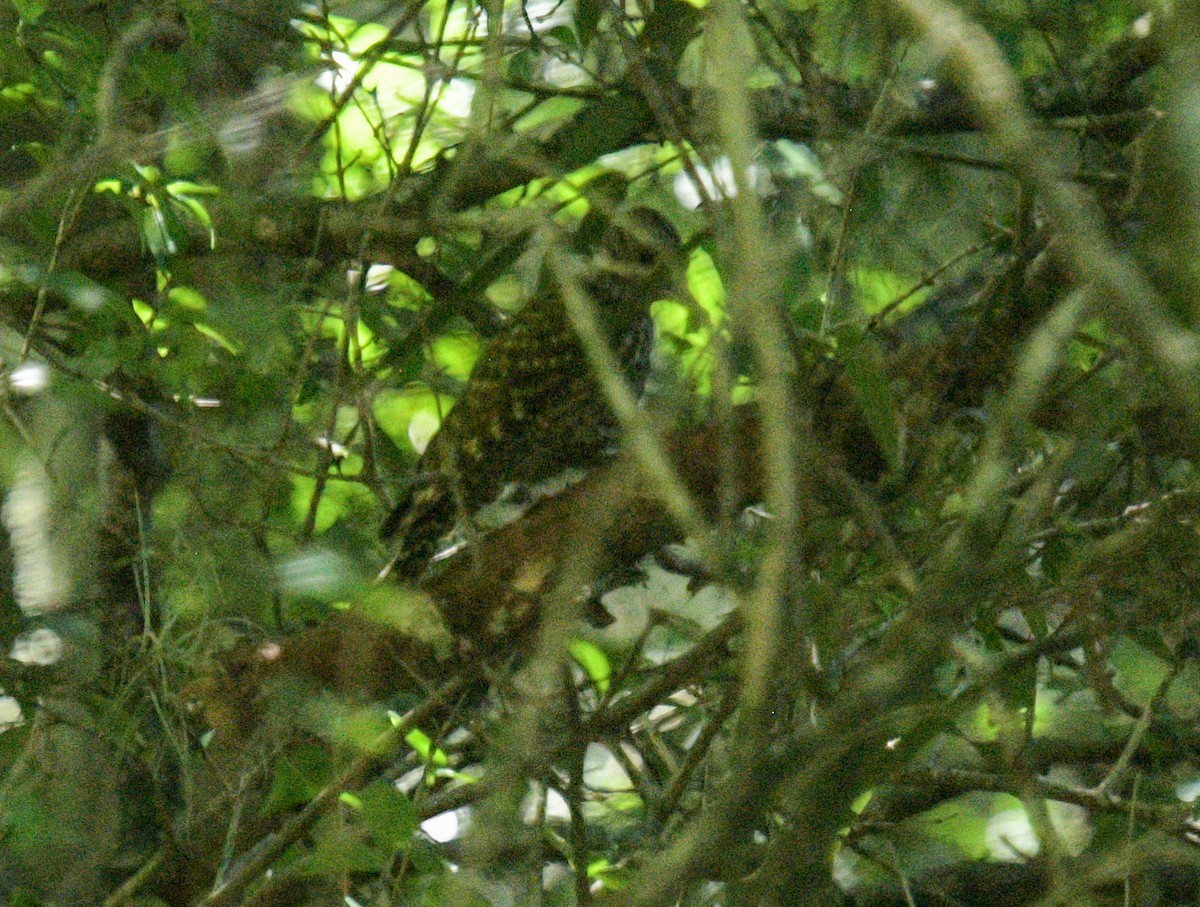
(884, 593)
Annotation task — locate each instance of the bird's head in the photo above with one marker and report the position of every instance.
(641, 246)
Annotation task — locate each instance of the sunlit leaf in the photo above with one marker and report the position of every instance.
(424, 746)
(187, 298)
(213, 334)
(594, 662)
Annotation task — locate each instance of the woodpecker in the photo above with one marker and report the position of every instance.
(532, 408)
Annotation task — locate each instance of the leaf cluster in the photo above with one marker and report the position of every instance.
(885, 593)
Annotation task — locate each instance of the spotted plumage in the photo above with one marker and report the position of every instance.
(532, 408)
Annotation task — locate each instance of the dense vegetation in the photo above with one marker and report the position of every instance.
(882, 589)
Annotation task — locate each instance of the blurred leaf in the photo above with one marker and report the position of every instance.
(396, 410)
(31, 10)
(407, 610)
(587, 18)
(215, 336)
(388, 816)
(338, 499)
(197, 209)
(851, 39)
(867, 373)
(455, 354)
(318, 573)
(563, 35)
(187, 298)
(593, 661)
(522, 66)
(302, 772)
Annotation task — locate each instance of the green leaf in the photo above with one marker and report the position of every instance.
(80, 291)
(187, 298)
(424, 746)
(594, 662)
(867, 374)
(148, 316)
(587, 18)
(187, 187)
(405, 610)
(338, 498)
(388, 815)
(563, 35)
(455, 355)
(302, 772)
(216, 336)
(198, 211)
(157, 234)
(149, 173)
(31, 10)
(851, 39)
(521, 66)
(396, 411)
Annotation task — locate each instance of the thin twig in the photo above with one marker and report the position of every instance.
(645, 444)
(272, 847)
(1140, 727)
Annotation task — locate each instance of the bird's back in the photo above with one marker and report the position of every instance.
(531, 408)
